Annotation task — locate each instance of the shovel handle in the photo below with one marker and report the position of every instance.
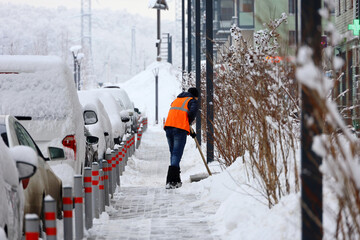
(202, 155)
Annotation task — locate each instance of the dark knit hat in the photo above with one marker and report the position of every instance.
(193, 91)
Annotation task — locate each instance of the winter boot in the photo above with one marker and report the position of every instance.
(173, 178)
(178, 179)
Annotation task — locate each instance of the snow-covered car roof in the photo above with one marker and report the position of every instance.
(112, 108)
(27, 83)
(120, 95)
(27, 63)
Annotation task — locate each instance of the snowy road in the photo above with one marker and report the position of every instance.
(143, 209)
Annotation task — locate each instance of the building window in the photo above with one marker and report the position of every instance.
(292, 38)
(247, 5)
(226, 13)
(246, 13)
(339, 7)
(345, 6)
(291, 6)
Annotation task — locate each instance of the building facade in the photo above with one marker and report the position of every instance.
(346, 11)
(251, 15)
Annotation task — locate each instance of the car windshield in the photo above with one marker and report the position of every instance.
(23, 137)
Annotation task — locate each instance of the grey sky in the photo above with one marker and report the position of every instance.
(132, 6)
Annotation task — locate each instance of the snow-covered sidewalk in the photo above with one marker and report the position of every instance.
(143, 209)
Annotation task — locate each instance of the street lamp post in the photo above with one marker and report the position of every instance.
(209, 82)
(75, 64)
(159, 5)
(80, 56)
(77, 57)
(156, 74)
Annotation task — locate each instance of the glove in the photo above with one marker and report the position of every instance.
(193, 134)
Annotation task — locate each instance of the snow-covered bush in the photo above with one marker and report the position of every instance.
(338, 146)
(256, 110)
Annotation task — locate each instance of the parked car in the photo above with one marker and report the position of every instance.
(44, 182)
(16, 164)
(41, 90)
(91, 148)
(97, 121)
(113, 110)
(124, 101)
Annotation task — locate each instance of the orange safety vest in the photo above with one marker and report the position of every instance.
(178, 114)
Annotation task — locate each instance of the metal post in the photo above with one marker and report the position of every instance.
(158, 58)
(88, 198)
(75, 63)
(110, 172)
(67, 209)
(117, 165)
(189, 35)
(311, 177)
(121, 158)
(127, 150)
(124, 156)
(133, 143)
(209, 83)
(95, 189)
(113, 166)
(101, 192)
(78, 78)
(139, 134)
(170, 50)
(183, 41)
(156, 98)
(296, 24)
(50, 218)
(31, 227)
(106, 182)
(78, 201)
(198, 67)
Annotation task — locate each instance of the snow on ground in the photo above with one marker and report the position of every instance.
(224, 205)
(141, 89)
(235, 210)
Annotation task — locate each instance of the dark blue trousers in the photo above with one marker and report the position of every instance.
(176, 139)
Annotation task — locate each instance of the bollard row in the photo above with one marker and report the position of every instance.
(91, 193)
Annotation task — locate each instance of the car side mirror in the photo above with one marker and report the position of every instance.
(26, 161)
(125, 116)
(25, 169)
(56, 153)
(125, 119)
(92, 139)
(90, 117)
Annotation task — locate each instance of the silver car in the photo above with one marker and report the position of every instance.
(44, 182)
(16, 164)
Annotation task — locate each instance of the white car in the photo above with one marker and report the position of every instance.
(113, 110)
(16, 164)
(97, 121)
(41, 91)
(124, 101)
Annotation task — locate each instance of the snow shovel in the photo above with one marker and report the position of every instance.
(198, 177)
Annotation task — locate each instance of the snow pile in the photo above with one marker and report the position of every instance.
(141, 89)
